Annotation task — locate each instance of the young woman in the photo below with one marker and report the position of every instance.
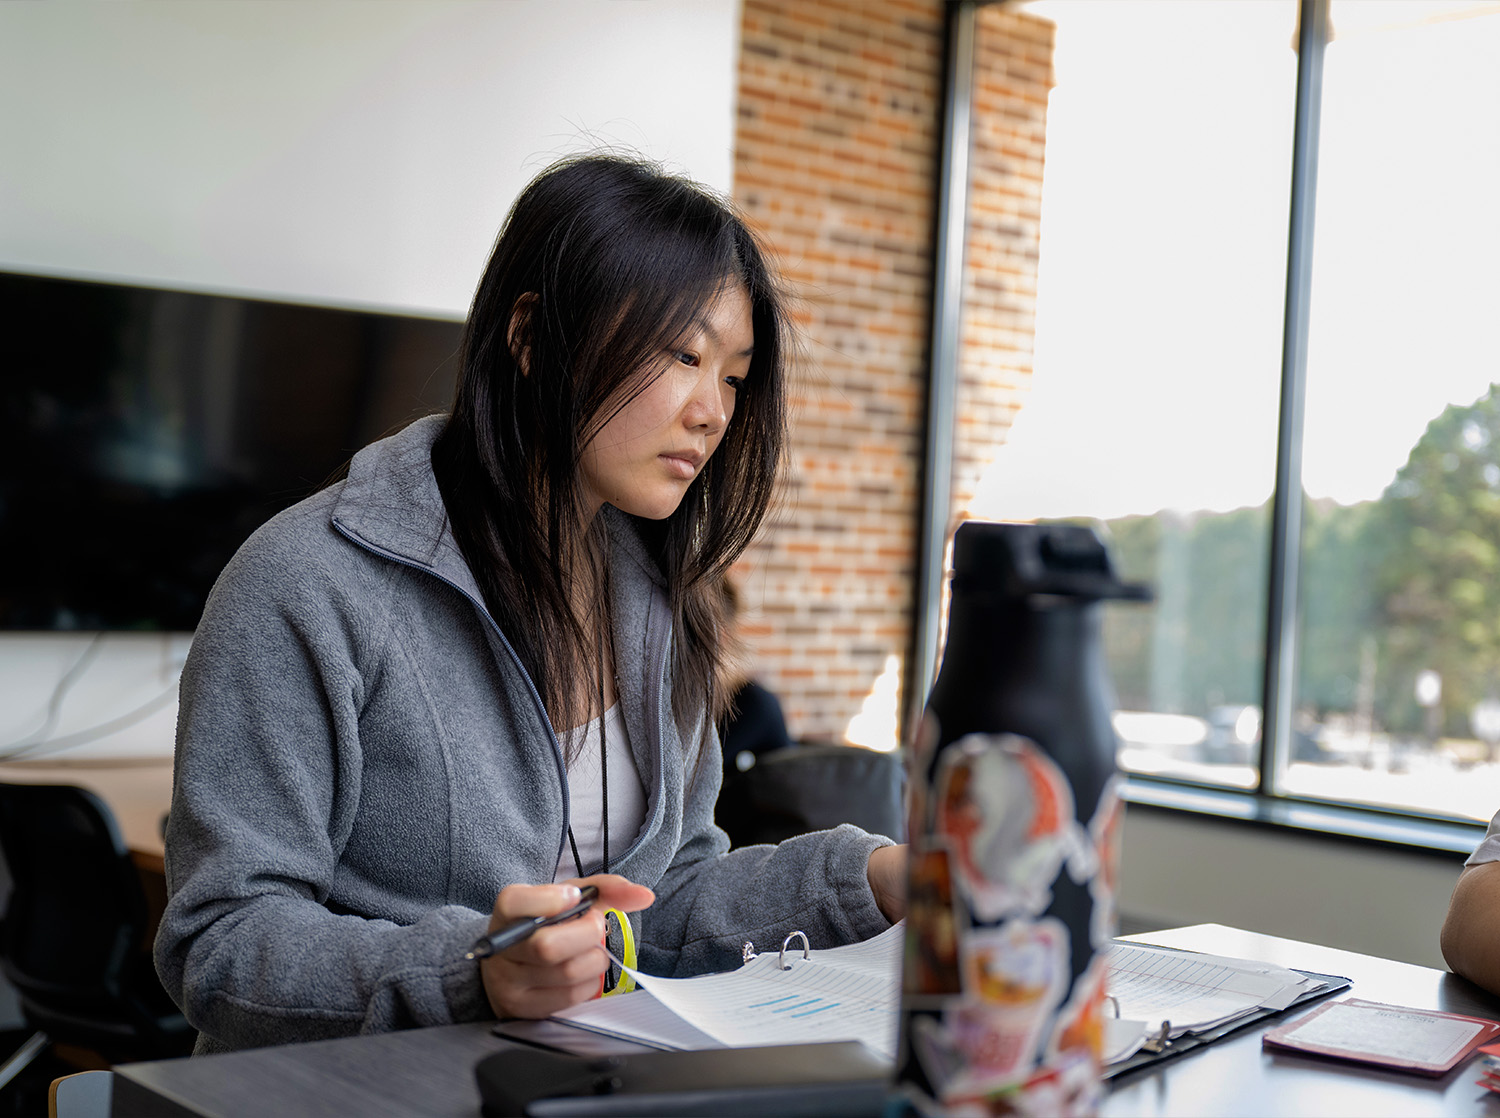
(485, 667)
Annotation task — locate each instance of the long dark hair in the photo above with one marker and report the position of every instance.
(603, 263)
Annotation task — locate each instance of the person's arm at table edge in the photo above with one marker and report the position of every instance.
(1471, 932)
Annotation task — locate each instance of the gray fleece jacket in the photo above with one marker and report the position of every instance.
(362, 764)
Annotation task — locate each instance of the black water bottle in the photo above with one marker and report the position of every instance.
(1014, 832)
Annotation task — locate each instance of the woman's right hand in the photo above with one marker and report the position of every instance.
(560, 965)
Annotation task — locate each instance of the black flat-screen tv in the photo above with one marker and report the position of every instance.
(145, 433)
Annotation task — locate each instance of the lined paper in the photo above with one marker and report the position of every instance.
(638, 1017)
(1194, 991)
(853, 993)
(840, 993)
(813, 1000)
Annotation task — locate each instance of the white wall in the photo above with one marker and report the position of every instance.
(340, 152)
(346, 152)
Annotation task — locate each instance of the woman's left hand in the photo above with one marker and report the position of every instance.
(887, 874)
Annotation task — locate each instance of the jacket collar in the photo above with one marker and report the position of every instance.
(391, 503)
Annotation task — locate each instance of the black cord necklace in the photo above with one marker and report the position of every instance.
(603, 809)
(610, 977)
(603, 767)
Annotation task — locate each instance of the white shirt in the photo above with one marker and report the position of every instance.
(627, 795)
(1489, 847)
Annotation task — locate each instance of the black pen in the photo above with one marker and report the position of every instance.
(517, 930)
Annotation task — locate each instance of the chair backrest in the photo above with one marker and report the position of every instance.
(84, 1094)
(77, 910)
(812, 788)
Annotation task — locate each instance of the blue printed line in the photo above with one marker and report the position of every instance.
(799, 1005)
(820, 1009)
(773, 1001)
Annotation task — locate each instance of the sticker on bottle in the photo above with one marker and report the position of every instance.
(1074, 1053)
(1014, 978)
(1052, 1092)
(1006, 811)
(1020, 965)
(931, 964)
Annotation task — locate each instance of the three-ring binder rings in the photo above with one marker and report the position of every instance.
(791, 995)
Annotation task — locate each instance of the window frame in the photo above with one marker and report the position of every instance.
(1267, 803)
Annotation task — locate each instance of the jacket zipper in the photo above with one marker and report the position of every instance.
(536, 698)
(653, 696)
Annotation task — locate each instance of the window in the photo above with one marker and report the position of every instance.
(1154, 409)
(1398, 690)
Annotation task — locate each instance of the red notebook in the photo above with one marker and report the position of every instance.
(1391, 1036)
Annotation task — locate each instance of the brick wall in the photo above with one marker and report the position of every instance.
(1013, 76)
(837, 147)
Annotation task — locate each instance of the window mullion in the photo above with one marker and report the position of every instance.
(1278, 694)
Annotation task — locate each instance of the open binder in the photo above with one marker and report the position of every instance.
(786, 996)
(837, 1007)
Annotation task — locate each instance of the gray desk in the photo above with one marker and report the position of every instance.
(1236, 1076)
(431, 1071)
(395, 1075)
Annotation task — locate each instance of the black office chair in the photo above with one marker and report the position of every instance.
(73, 940)
(806, 788)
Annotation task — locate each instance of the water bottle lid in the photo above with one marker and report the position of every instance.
(1020, 560)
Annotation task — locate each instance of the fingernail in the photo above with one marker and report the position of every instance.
(573, 892)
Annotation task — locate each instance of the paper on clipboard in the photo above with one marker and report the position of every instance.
(1195, 991)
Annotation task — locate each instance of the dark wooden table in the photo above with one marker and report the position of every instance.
(431, 1071)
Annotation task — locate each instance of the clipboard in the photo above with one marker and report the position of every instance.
(837, 1080)
(1188, 1042)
